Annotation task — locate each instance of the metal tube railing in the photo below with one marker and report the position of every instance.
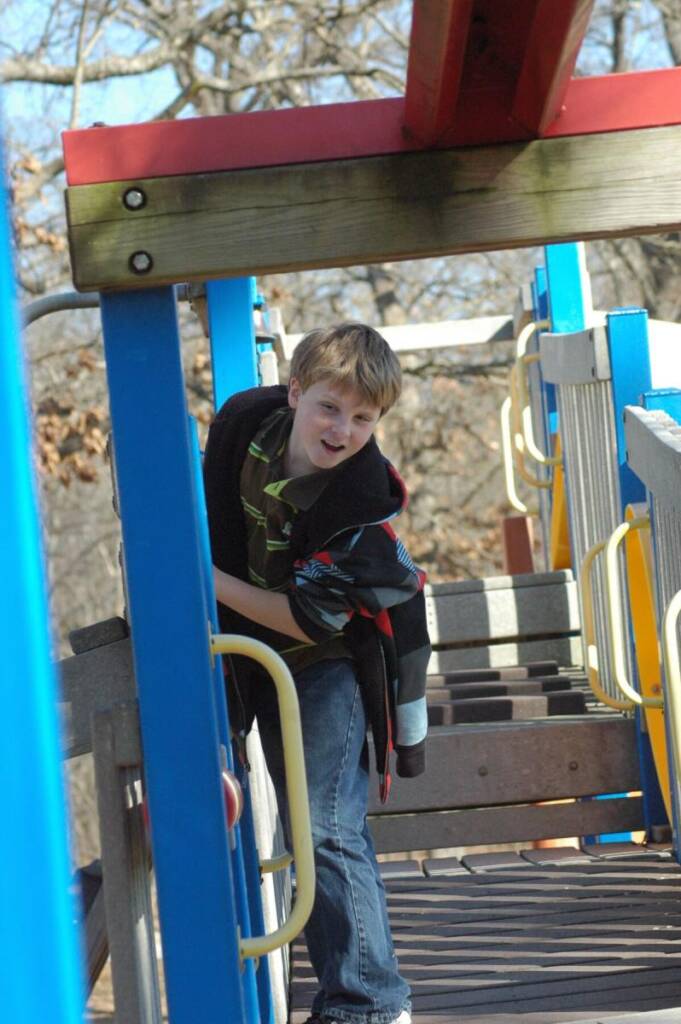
(296, 790)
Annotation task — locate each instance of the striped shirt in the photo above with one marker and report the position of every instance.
(270, 503)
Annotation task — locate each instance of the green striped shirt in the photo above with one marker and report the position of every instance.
(270, 503)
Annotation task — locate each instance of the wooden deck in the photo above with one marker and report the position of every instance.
(541, 937)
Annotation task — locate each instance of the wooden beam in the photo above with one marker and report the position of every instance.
(439, 33)
(399, 833)
(551, 51)
(414, 205)
(482, 765)
(268, 138)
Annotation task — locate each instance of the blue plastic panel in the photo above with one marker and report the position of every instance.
(40, 967)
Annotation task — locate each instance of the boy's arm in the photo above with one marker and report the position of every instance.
(261, 606)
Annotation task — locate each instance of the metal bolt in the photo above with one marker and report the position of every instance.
(135, 199)
(573, 766)
(141, 262)
(483, 770)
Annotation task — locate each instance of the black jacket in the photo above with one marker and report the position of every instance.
(347, 527)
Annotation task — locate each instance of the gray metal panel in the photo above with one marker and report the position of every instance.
(578, 357)
(654, 452)
(92, 681)
(518, 762)
(125, 863)
(587, 421)
(400, 833)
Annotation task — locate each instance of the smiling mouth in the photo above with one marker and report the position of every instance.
(332, 448)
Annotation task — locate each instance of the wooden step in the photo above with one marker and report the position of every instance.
(486, 675)
(516, 688)
(510, 708)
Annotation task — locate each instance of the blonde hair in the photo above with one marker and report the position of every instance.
(349, 355)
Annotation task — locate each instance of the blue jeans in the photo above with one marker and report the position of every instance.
(348, 934)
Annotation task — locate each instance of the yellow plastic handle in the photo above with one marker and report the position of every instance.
(507, 453)
(589, 630)
(269, 867)
(670, 653)
(613, 603)
(525, 413)
(296, 790)
(517, 439)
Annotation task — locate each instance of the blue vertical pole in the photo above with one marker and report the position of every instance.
(235, 368)
(40, 965)
(569, 290)
(170, 623)
(233, 352)
(568, 303)
(247, 925)
(540, 304)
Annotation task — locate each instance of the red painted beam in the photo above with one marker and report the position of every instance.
(439, 33)
(551, 50)
(643, 99)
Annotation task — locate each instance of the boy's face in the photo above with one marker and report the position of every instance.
(330, 425)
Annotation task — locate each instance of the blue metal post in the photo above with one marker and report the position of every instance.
(568, 286)
(170, 623)
(540, 303)
(568, 304)
(233, 351)
(234, 363)
(246, 925)
(40, 958)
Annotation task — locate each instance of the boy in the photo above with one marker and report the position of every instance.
(299, 502)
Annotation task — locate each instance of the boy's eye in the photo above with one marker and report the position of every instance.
(327, 406)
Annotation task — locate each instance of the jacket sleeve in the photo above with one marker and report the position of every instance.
(364, 577)
(412, 651)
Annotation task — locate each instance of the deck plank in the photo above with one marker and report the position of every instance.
(532, 943)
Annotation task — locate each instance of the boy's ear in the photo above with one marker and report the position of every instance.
(294, 392)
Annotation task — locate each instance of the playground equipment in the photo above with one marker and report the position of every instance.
(151, 206)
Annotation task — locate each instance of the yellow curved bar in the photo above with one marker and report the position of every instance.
(616, 637)
(589, 632)
(670, 653)
(518, 440)
(296, 789)
(507, 453)
(527, 427)
(640, 576)
(561, 556)
(525, 335)
(269, 867)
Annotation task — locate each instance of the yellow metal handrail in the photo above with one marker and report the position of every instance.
(589, 631)
(518, 441)
(296, 790)
(670, 653)
(525, 413)
(616, 637)
(507, 452)
(512, 440)
(269, 867)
